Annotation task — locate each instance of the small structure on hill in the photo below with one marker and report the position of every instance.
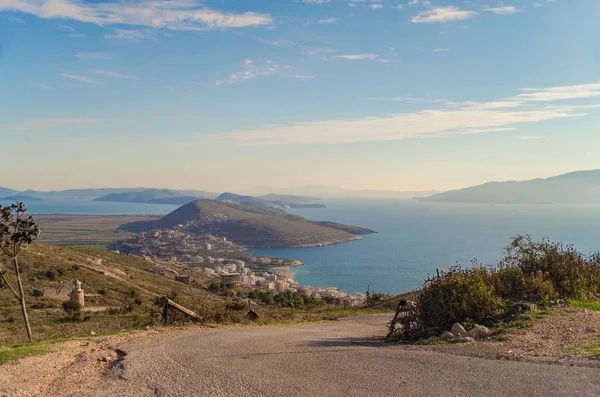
(77, 294)
(234, 278)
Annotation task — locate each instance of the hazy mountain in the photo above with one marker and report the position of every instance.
(289, 197)
(333, 192)
(574, 187)
(260, 203)
(251, 226)
(4, 191)
(90, 194)
(19, 197)
(155, 196)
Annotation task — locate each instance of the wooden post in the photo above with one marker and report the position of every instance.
(165, 313)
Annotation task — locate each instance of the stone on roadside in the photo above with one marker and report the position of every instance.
(448, 336)
(465, 339)
(479, 332)
(458, 330)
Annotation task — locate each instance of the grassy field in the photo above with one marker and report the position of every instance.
(86, 230)
(584, 304)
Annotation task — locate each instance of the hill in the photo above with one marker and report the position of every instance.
(262, 203)
(90, 194)
(574, 187)
(251, 226)
(154, 196)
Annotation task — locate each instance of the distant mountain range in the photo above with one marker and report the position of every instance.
(325, 191)
(574, 187)
(156, 196)
(262, 203)
(251, 226)
(91, 194)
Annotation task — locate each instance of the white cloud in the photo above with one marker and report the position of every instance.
(43, 123)
(132, 35)
(81, 79)
(110, 73)
(441, 50)
(358, 57)
(171, 14)
(65, 27)
(314, 2)
(506, 10)
(453, 119)
(250, 72)
(15, 19)
(93, 55)
(327, 20)
(376, 6)
(301, 76)
(443, 14)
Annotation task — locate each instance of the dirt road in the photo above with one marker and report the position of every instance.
(327, 359)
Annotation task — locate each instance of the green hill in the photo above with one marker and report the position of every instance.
(251, 226)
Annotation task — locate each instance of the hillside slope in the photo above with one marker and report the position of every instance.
(250, 226)
(574, 187)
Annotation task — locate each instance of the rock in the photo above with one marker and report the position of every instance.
(465, 339)
(448, 336)
(458, 330)
(92, 333)
(479, 332)
(103, 359)
(524, 307)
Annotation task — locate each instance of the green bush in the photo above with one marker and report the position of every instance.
(459, 295)
(73, 310)
(531, 271)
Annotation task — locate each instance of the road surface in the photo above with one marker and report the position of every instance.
(326, 359)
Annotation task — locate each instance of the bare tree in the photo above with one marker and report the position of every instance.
(16, 229)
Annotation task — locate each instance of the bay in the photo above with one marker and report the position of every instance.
(414, 239)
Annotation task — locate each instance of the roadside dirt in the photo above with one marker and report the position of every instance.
(70, 368)
(563, 337)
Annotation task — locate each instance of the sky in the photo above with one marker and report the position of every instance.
(363, 94)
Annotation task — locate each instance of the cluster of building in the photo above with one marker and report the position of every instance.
(236, 272)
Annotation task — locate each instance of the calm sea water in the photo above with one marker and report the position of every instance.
(415, 238)
(88, 207)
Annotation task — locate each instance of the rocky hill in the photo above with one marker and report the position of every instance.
(265, 203)
(251, 226)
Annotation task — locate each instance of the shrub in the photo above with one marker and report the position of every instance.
(235, 306)
(50, 275)
(73, 310)
(102, 291)
(459, 295)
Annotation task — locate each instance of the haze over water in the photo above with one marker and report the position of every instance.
(415, 238)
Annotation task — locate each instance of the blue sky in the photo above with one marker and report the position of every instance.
(227, 95)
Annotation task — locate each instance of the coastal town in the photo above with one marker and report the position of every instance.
(226, 263)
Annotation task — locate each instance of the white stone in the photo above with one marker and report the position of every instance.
(458, 330)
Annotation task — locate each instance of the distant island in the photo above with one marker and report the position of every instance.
(250, 226)
(575, 187)
(153, 196)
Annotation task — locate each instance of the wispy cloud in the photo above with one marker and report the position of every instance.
(110, 73)
(41, 85)
(81, 79)
(410, 99)
(327, 20)
(443, 15)
(301, 76)
(65, 27)
(15, 19)
(313, 2)
(529, 107)
(132, 35)
(42, 123)
(251, 71)
(506, 10)
(93, 55)
(171, 14)
(376, 6)
(441, 50)
(358, 57)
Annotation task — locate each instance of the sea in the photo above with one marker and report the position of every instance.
(413, 238)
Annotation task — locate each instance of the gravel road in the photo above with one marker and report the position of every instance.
(341, 358)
